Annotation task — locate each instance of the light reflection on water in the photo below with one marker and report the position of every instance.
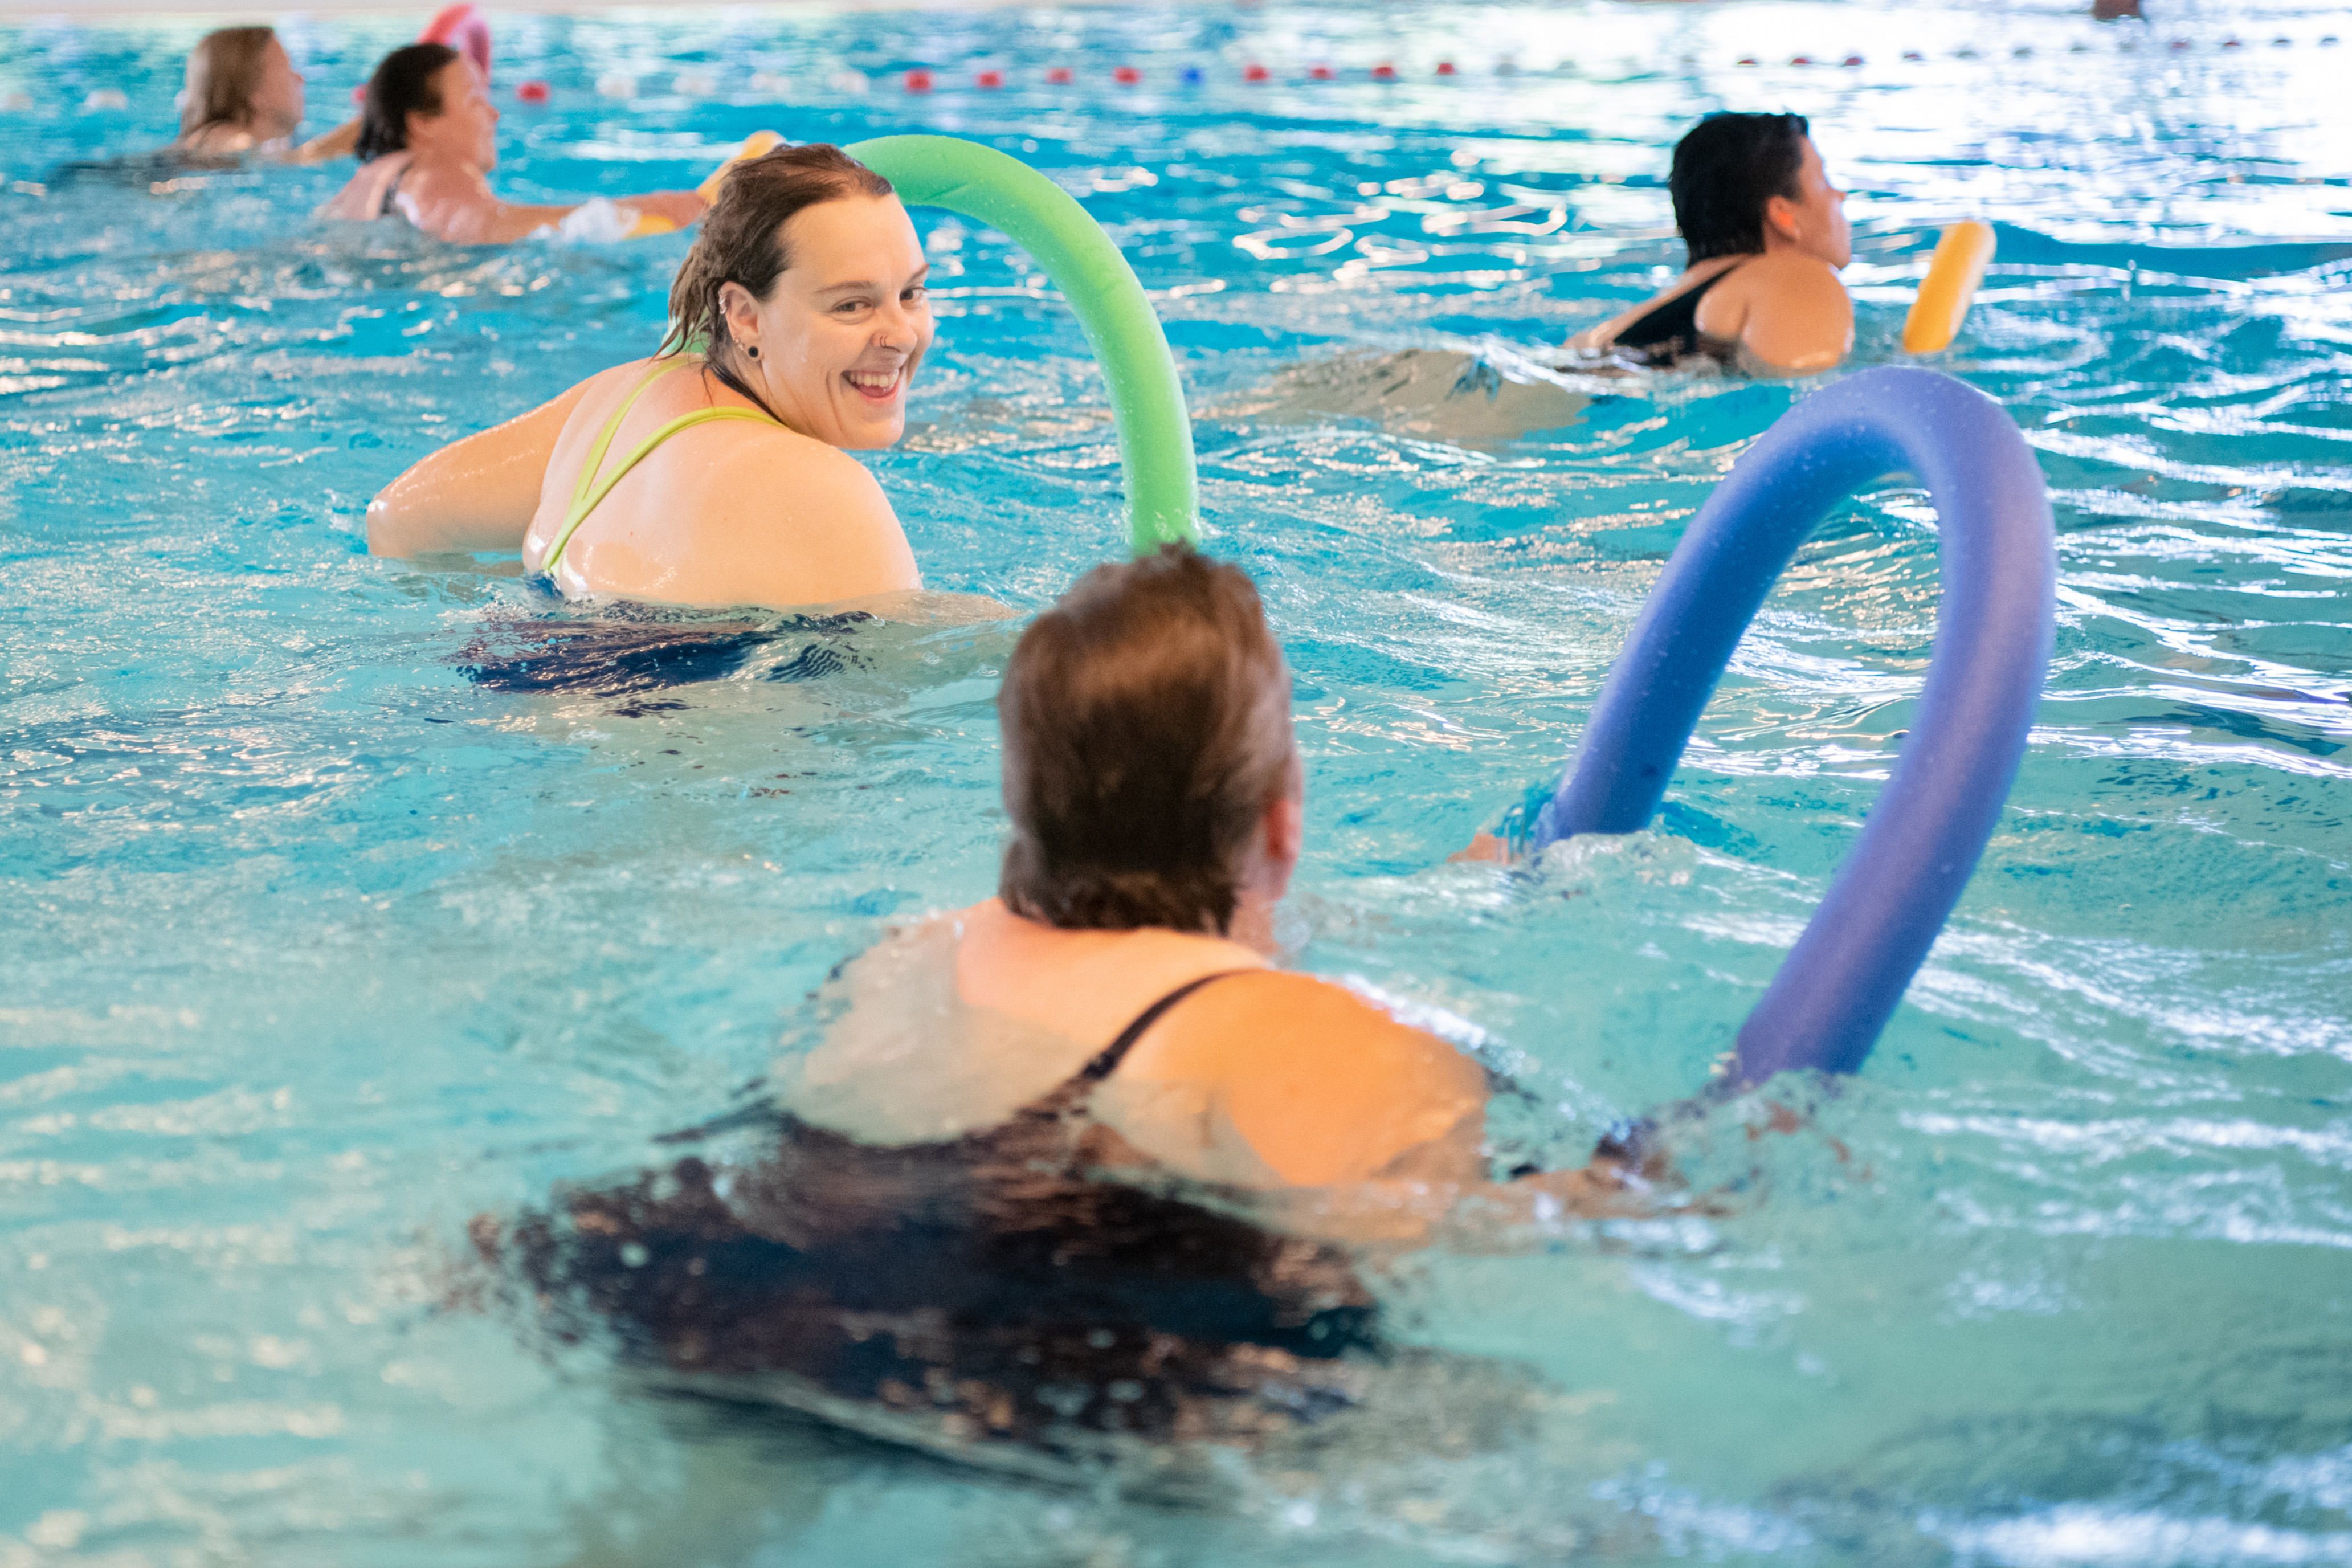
(316, 947)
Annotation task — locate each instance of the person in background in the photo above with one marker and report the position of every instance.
(1767, 235)
(244, 96)
(428, 138)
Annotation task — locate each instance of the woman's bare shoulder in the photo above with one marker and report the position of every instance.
(1787, 271)
(1797, 317)
(1309, 1020)
(759, 468)
(1322, 1085)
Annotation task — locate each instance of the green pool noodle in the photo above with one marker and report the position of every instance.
(1155, 431)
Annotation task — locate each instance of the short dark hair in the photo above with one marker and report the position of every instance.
(743, 242)
(403, 84)
(1725, 168)
(1146, 725)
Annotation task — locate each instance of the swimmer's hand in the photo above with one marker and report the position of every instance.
(341, 142)
(683, 208)
(1484, 848)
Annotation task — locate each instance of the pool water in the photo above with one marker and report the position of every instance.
(331, 918)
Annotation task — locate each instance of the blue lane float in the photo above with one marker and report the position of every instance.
(1842, 980)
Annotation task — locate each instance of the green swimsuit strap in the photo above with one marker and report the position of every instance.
(591, 491)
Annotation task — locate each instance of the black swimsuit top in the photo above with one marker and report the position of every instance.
(996, 1286)
(1670, 332)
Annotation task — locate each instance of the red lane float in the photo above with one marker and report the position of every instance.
(532, 92)
(461, 28)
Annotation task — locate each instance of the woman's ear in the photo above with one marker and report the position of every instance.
(1781, 216)
(742, 314)
(1284, 830)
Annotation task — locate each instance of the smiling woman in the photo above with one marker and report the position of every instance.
(801, 313)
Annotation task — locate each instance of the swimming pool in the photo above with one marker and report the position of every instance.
(327, 926)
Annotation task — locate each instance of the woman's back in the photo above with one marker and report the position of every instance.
(1241, 1075)
(924, 1233)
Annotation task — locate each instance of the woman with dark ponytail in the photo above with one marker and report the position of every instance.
(718, 471)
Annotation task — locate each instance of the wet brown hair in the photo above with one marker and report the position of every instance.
(743, 242)
(1146, 725)
(406, 81)
(223, 72)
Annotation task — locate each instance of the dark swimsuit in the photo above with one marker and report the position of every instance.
(1670, 332)
(996, 1287)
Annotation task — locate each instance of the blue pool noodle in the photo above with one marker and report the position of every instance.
(1842, 980)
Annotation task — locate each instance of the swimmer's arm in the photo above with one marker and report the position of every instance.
(456, 204)
(340, 143)
(1323, 1086)
(1593, 340)
(1406, 1206)
(479, 493)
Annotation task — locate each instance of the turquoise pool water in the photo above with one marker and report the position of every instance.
(317, 945)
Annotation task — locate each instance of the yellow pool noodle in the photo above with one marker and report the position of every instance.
(1961, 258)
(757, 143)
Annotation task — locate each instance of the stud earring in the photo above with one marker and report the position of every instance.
(753, 351)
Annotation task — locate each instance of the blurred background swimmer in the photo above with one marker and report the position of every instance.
(244, 96)
(798, 320)
(1767, 235)
(428, 137)
(1077, 1161)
